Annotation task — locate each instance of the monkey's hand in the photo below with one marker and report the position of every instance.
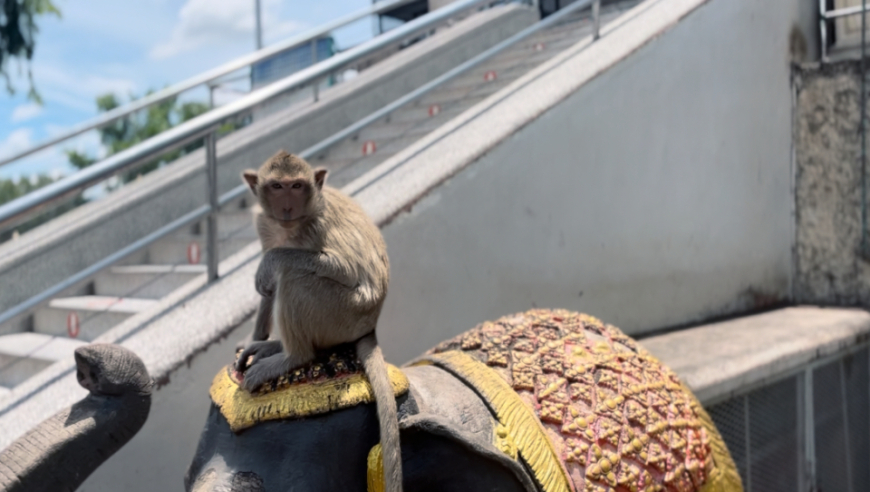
(265, 370)
(259, 351)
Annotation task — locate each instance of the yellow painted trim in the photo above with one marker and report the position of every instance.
(243, 410)
(375, 474)
(724, 477)
(522, 425)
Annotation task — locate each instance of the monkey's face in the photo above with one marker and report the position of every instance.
(286, 199)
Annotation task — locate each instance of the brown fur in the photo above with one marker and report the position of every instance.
(328, 274)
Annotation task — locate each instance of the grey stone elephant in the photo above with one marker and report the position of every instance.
(546, 400)
(61, 452)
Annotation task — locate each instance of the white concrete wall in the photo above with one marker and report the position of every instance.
(655, 195)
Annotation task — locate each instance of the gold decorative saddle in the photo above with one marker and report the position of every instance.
(334, 380)
(609, 416)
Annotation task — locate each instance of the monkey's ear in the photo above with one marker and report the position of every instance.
(320, 177)
(250, 177)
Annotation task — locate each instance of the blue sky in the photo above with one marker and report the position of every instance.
(101, 46)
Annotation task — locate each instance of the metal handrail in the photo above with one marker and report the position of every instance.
(211, 164)
(207, 123)
(826, 16)
(310, 36)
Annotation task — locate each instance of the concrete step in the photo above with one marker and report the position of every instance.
(383, 132)
(349, 159)
(145, 281)
(419, 110)
(237, 224)
(347, 170)
(24, 354)
(191, 249)
(86, 317)
(230, 224)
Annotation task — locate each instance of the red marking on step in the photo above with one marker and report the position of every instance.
(490, 76)
(540, 47)
(72, 324)
(369, 147)
(434, 109)
(104, 303)
(193, 253)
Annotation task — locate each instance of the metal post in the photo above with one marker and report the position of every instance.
(211, 96)
(259, 24)
(823, 30)
(844, 402)
(211, 189)
(809, 430)
(747, 444)
(596, 19)
(863, 129)
(315, 88)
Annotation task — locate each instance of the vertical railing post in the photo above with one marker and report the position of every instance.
(596, 19)
(844, 403)
(809, 430)
(863, 128)
(823, 30)
(316, 88)
(212, 189)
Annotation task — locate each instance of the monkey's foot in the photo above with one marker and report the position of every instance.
(266, 369)
(257, 350)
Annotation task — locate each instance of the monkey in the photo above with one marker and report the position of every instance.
(323, 279)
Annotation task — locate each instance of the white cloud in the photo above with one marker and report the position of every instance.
(51, 161)
(219, 22)
(25, 112)
(17, 141)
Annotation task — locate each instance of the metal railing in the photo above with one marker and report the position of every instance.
(197, 128)
(209, 77)
(826, 16)
(205, 126)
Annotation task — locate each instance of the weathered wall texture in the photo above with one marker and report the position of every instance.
(828, 186)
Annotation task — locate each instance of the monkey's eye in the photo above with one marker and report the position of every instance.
(276, 186)
(296, 186)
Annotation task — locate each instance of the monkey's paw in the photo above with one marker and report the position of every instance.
(256, 351)
(265, 370)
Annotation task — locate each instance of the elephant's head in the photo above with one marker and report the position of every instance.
(61, 452)
(539, 401)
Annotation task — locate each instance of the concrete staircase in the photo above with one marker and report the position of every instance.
(116, 294)
(138, 283)
(378, 142)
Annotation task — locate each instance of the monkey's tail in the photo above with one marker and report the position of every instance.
(370, 354)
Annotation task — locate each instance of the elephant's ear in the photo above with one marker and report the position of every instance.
(439, 456)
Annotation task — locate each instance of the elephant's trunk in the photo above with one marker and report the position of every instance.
(61, 452)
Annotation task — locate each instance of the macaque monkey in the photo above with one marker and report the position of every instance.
(325, 274)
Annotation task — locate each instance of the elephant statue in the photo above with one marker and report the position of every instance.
(545, 400)
(61, 452)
